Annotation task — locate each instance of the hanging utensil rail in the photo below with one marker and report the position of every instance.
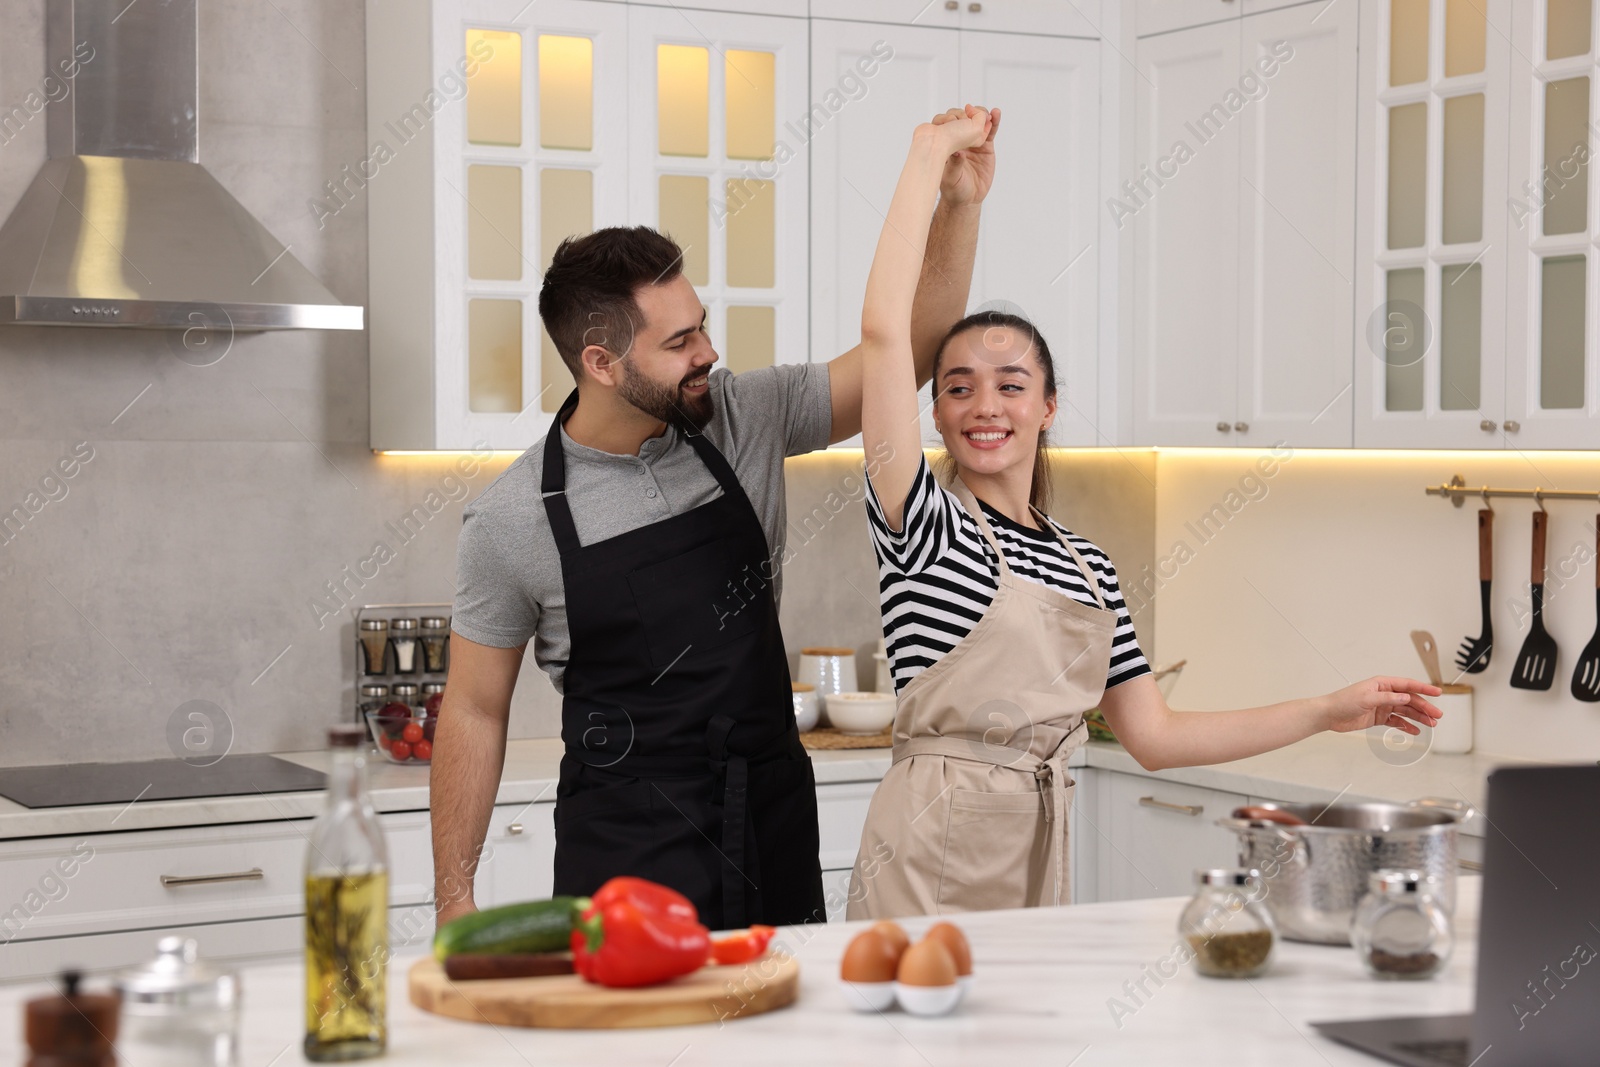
(1458, 491)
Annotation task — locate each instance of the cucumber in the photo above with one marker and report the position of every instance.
(534, 926)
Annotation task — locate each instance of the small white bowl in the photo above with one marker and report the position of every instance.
(868, 996)
(926, 999)
(964, 983)
(861, 714)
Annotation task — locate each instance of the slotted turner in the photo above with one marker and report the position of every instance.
(1536, 663)
(1586, 676)
(1473, 656)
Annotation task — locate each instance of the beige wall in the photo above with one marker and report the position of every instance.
(1317, 582)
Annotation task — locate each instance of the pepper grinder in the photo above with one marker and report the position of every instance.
(71, 1029)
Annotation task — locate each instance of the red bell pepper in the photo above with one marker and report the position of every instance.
(634, 932)
(743, 946)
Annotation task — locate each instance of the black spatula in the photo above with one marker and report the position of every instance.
(1586, 676)
(1473, 655)
(1536, 663)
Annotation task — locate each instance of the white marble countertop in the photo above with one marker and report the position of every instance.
(1317, 769)
(1053, 986)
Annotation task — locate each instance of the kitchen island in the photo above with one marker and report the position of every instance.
(1088, 985)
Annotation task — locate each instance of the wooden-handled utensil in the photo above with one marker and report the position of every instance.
(1473, 656)
(1536, 663)
(1428, 649)
(1586, 676)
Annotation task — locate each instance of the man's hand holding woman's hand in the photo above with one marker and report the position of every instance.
(964, 140)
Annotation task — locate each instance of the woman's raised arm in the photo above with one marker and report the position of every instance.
(889, 416)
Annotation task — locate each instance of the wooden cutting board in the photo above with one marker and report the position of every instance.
(567, 1002)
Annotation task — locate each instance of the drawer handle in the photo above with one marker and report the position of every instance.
(1181, 809)
(514, 829)
(1469, 865)
(252, 875)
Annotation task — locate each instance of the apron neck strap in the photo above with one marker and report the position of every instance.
(975, 509)
(553, 482)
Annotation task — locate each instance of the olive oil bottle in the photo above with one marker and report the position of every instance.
(347, 913)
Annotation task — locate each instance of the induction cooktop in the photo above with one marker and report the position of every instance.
(72, 784)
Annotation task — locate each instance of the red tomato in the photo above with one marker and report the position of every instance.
(383, 741)
(412, 733)
(422, 750)
(400, 750)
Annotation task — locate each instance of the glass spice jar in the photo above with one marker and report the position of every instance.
(435, 633)
(1226, 926)
(1401, 929)
(407, 693)
(403, 639)
(373, 698)
(374, 644)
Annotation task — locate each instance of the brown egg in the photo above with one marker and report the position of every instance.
(869, 957)
(950, 935)
(927, 963)
(897, 936)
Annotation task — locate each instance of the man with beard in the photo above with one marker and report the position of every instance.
(637, 545)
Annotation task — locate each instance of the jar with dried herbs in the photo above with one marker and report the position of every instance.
(1227, 928)
(1401, 928)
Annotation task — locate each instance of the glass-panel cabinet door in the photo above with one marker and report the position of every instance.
(531, 148)
(1430, 278)
(719, 161)
(1552, 396)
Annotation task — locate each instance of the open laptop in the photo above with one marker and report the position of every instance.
(1538, 989)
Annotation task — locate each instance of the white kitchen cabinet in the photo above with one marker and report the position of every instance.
(1058, 18)
(1164, 16)
(1157, 833)
(1297, 229)
(1183, 203)
(1036, 246)
(836, 893)
(1432, 224)
(733, 189)
(907, 74)
(1243, 204)
(1552, 373)
(476, 186)
(232, 885)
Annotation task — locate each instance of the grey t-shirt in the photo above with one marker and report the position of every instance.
(509, 585)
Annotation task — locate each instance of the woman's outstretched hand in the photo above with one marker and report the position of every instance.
(1382, 701)
(969, 170)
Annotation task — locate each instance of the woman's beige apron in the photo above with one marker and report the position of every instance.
(973, 813)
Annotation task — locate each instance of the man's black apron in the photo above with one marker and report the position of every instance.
(682, 764)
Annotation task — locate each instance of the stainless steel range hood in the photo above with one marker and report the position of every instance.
(122, 226)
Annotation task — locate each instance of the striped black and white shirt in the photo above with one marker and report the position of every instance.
(938, 575)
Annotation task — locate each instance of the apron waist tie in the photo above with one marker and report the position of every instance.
(1050, 773)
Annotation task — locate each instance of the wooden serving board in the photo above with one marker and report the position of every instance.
(567, 1002)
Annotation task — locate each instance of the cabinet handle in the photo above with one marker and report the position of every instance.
(1223, 427)
(974, 8)
(1512, 425)
(1181, 809)
(951, 5)
(1487, 426)
(514, 829)
(171, 880)
(1469, 865)
(1242, 427)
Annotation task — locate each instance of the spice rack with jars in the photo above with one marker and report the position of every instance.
(402, 655)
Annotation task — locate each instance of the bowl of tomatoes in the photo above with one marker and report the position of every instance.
(402, 735)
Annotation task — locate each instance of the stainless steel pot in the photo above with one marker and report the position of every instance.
(1314, 875)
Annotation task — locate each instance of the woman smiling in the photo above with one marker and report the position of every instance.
(1003, 627)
